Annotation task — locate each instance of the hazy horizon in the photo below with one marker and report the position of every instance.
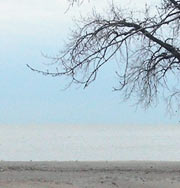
(89, 143)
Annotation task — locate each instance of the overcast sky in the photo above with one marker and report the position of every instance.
(30, 27)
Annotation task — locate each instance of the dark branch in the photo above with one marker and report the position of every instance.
(147, 47)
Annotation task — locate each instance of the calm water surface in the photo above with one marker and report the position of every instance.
(64, 143)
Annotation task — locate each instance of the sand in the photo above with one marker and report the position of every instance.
(131, 174)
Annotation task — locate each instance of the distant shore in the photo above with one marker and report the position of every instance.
(124, 174)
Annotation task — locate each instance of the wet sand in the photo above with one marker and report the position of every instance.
(131, 174)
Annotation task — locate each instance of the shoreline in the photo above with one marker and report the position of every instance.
(81, 174)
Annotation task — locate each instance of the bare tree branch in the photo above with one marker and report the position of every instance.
(147, 47)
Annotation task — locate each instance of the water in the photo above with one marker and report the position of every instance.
(85, 142)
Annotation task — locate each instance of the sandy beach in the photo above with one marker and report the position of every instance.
(131, 174)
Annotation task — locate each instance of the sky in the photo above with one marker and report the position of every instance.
(29, 28)
(37, 115)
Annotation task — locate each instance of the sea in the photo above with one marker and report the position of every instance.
(89, 142)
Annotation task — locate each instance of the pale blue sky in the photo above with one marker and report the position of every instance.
(30, 27)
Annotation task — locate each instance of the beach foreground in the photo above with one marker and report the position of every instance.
(90, 174)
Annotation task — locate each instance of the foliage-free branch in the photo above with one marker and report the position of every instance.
(147, 48)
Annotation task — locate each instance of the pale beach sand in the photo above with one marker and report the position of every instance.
(131, 174)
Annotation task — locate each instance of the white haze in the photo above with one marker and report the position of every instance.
(67, 143)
